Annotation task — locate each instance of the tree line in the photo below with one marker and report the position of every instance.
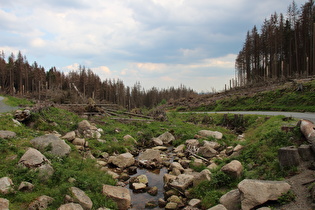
(18, 77)
(283, 49)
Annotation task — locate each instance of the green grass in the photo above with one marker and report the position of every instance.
(282, 99)
(14, 101)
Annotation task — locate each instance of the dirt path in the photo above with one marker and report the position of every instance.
(300, 186)
(5, 108)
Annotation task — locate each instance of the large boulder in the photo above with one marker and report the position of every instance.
(176, 165)
(70, 136)
(120, 195)
(123, 160)
(204, 175)
(231, 200)
(208, 133)
(7, 134)
(52, 144)
(308, 129)
(42, 202)
(70, 206)
(215, 145)
(4, 204)
(6, 185)
(33, 158)
(207, 151)
(80, 197)
(218, 207)
(150, 158)
(26, 187)
(182, 182)
(45, 172)
(233, 169)
(166, 138)
(257, 192)
(87, 130)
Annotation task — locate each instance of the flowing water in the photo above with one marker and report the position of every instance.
(155, 177)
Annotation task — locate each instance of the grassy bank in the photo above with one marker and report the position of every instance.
(286, 98)
(259, 156)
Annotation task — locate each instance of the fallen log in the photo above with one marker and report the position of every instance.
(308, 129)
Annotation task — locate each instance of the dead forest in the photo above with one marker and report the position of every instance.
(19, 78)
(284, 48)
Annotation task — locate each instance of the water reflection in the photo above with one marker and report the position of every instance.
(155, 178)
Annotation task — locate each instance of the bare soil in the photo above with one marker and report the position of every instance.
(301, 184)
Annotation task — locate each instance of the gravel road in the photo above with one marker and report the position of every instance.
(5, 108)
(298, 115)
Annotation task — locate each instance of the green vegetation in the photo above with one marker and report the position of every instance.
(283, 99)
(13, 101)
(259, 157)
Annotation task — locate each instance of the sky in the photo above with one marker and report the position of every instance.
(159, 43)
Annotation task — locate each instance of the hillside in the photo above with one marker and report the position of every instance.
(90, 162)
(296, 95)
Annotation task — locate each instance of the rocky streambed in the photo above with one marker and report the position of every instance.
(156, 177)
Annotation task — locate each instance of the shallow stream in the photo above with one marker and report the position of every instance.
(155, 178)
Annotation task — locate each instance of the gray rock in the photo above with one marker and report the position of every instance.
(4, 204)
(176, 199)
(80, 197)
(231, 200)
(6, 185)
(138, 187)
(218, 207)
(176, 165)
(192, 142)
(194, 203)
(207, 151)
(153, 191)
(70, 136)
(215, 145)
(180, 148)
(123, 160)
(212, 166)
(140, 179)
(51, 144)
(7, 134)
(80, 142)
(171, 205)
(33, 158)
(157, 141)
(197, 162)
(120, 195)
(150, 158)
(41, 202)
(204, 175)
(167, 138)
(182, 182)
(70, 206)
(208, 133)
(233, 169)
(26, 187)
(256, 192)
(45, 172)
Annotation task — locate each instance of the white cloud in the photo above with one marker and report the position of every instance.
(160, 41)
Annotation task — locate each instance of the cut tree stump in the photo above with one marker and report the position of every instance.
(288, 156)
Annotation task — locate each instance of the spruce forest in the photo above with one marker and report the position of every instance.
(284, 48)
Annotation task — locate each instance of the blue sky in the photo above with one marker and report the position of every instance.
(159, 43)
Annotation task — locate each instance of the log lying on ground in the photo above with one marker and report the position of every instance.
(308, 129)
